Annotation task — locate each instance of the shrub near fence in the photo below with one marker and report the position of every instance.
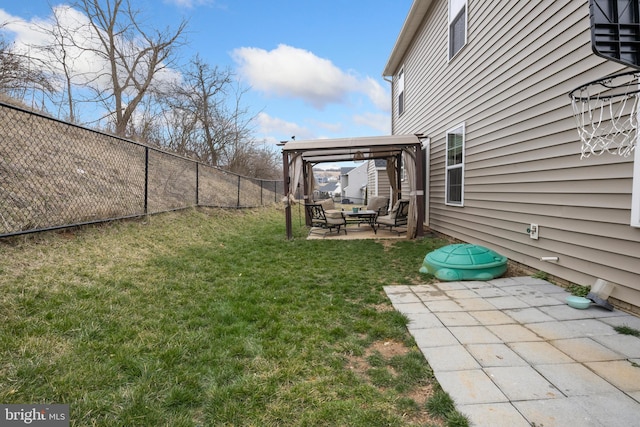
(55, 174)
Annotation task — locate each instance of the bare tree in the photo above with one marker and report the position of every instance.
(193, 111)
(20, 75)
(206, 120)
(257, 161)
(242, 154)
(200, 99)
(133, 55)
(62, 57)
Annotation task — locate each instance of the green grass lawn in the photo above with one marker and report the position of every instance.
(211, 317)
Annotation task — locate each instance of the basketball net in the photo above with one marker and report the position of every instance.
(606, 114)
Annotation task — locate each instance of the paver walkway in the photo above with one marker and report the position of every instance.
(510, 352)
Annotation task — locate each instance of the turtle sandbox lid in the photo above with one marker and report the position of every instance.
(464, 261)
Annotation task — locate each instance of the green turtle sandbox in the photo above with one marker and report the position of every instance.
(464, 261)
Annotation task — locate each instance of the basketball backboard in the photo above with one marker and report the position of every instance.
(615, 30)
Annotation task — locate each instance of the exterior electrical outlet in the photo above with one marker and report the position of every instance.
(533, 231)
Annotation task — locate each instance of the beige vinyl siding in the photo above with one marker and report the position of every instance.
(405, 189)
(372, 186)
(509, 86)
(377, 181)
(372, 181)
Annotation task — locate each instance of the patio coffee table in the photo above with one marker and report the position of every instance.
(362, 216)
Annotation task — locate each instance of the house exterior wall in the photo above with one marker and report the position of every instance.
(355, 183)
(377, 180)
(405, 188)
(508, 85)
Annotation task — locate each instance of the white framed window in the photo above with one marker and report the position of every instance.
(401, 91)
(457, 26)
(454, 177)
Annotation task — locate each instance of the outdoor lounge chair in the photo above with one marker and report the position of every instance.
(378, 204)
(397, 217)
(329, 219)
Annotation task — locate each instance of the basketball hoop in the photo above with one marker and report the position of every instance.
(606, 113)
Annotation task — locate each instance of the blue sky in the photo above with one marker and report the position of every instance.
(313, 67)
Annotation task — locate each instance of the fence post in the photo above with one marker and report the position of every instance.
(238, 204)
(261, 186)
(146, 179)
(197, 184)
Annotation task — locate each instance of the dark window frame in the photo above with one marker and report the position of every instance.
(458, 32)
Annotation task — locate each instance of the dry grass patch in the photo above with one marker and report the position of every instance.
(382, 366)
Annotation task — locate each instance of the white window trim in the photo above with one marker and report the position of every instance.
(447, 167)
(401, 92)
(635, 192)
(452, 15)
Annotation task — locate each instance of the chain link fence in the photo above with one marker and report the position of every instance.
(54, 175)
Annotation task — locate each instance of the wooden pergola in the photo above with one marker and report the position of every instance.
(300, 156)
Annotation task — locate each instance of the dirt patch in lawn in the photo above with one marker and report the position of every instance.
(420, 393)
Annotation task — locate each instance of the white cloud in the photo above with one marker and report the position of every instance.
(4, 17)
(276, 130)
(27, 35)
(22, 30)
(297, 73)
(381, 122)
(380, 96)
(334, 128)
(86, 66)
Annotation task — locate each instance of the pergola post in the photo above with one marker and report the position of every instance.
(305, 190)
(287, 182)
(399, 176)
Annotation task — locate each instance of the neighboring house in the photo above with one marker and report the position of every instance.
(354, 182)
(487, 82)
(345, 170)
(327, 190)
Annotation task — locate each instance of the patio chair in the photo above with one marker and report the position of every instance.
(397, 217)
(379, 204)
(325, 219)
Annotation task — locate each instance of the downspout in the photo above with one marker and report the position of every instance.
(419, 167)
(426, 147)
(394, 197)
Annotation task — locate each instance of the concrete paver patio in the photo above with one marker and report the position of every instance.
(510, 352)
